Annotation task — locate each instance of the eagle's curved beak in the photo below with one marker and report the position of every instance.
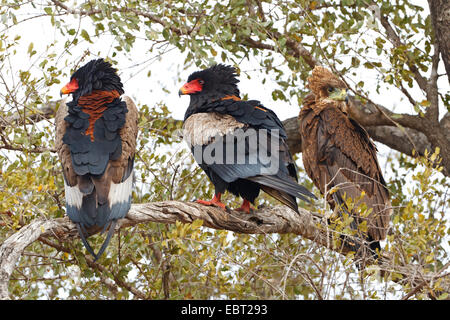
(64, 90)
(191, 87)
(72, 86)
(339, 94)
(184, 90)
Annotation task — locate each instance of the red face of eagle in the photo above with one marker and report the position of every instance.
(95, 139)
(72, 86)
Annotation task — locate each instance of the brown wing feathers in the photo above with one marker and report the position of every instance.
(128, 135)
(62, 148)
(337, 151)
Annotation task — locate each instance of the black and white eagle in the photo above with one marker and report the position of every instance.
(241, 145)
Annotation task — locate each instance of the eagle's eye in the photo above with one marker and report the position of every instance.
(330, 89)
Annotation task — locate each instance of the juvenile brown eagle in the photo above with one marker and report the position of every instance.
(241, 145)
(96, 140)
(338, 153)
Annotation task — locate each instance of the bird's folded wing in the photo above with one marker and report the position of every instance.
(62, 148)
(251, 113)
(350, 158)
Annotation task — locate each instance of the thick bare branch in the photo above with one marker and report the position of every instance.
(404, 140)
(371, 114)
(294, 139)
(12, 248)
(278, 219)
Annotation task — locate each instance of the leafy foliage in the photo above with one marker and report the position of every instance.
(189, 261)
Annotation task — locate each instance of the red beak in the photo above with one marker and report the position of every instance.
(72, 86)
(190, 87)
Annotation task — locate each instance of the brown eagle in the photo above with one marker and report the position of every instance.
(340, 158)
(96, 141)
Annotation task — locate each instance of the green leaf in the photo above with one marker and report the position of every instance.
(30, 49)
(196, 224)
(85, 35)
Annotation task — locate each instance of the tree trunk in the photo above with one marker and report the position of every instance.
(440, 18)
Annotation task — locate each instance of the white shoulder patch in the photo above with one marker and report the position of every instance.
(121, 192)
(201, 128)
(74, 197)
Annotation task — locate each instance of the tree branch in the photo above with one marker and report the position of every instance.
(147, 15)
(397, 42)
(278, 219)
(47, 111)
(404, 140)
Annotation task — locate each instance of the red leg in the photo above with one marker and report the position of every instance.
(246, 207)
(215, 201)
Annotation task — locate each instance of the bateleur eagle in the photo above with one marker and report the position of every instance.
(340, 158)
(241, 145)
(96, 141)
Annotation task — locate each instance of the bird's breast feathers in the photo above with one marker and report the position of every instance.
(94, 137)
(201, 128)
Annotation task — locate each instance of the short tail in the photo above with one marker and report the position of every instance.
(96, 203)
(283, 197)
(93, 217)
(284, 185)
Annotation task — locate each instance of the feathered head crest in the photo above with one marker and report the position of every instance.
(219, 73)
(323, 78)
(209, 85)
(97, 75)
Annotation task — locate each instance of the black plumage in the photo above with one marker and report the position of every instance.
(91, 157)
(96, 75)
(245, 141)
(96, 139)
